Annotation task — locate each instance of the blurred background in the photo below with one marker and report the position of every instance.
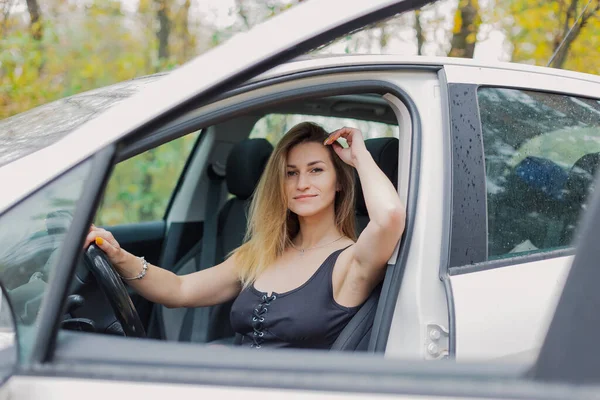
(51, 49)
(55, 48)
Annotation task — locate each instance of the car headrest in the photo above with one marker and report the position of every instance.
(535, 184)
(385, 153)
(245, 164)
(542, 175)
(581, 178)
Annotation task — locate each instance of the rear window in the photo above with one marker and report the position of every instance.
(542, 151)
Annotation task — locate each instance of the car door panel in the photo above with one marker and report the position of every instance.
(30, 388)
(506, 274)
(502, 314)
(183, 370)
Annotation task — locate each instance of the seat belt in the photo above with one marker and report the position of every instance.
(197, 318)
(208, 254)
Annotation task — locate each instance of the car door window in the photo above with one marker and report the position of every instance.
(31, 235)
(273, 126)
(541, 153)
(141, 187)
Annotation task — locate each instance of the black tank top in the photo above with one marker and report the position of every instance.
(305, 317)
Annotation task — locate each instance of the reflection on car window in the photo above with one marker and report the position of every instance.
(8, 347)
(273, 126)
(31, 234)
(541, 153)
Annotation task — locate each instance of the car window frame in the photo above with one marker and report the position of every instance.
(54, 299)
(474, 197)
(389, 294)
(394, 274)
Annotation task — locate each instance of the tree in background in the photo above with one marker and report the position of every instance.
(164, 28)
(574, 21)
(35, 18)
(536, 29)
(466, 27)
(55, 48)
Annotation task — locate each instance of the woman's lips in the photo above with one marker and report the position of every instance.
(305, 196)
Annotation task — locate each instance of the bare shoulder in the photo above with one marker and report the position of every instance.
(345, 258)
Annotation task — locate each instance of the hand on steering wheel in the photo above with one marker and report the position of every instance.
(107, 242)
(101, 266)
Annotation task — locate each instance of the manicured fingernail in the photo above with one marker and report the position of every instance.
(99, 241)
(326, 142)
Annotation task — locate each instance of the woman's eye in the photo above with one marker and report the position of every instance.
(291, 173)
(317, 170)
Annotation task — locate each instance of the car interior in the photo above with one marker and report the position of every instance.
(540, 205)
(207, 215)
(540, 163)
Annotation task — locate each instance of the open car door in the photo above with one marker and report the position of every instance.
(132, 123)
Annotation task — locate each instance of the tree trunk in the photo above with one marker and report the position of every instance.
(570, 19)
(5, 7)
(466, 27)
(164, 28)
(419, 31)
(35, 16)
(187, 42)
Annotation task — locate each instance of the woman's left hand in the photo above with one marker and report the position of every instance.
(356, 144)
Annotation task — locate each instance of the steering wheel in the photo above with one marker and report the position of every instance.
(115, 290)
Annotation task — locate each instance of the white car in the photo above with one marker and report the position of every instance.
(493, 161)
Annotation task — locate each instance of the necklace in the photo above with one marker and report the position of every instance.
(302, 251)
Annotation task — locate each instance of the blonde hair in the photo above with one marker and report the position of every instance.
(271, 226)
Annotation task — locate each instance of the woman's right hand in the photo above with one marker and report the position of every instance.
(106, 241)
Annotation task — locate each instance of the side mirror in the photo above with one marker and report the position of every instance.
(9, 345)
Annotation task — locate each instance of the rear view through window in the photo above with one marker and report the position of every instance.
(541, 153)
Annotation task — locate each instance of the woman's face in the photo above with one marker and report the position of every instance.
(311, 180)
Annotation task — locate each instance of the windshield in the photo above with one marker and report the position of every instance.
(31, 235)
(42, 126)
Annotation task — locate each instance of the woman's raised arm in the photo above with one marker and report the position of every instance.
(386, 212)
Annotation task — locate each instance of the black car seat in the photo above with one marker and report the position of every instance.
(245, 164)
(385, 153)
(580, 184)
(356, 335)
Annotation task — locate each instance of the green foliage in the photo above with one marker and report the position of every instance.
(535, 28)
(273, 126)
(140, 188)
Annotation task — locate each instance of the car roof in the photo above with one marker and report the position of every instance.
(319, 61)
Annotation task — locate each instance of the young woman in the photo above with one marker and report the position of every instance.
(300, 274)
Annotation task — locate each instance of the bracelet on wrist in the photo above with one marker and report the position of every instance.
(141, 274)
